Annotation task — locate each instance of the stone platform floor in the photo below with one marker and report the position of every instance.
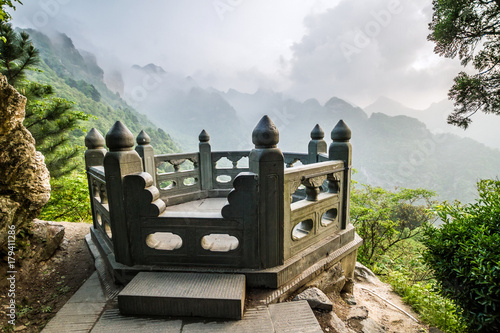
(94, 308)
(88, 311)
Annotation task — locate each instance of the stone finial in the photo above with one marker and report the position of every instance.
(143, 139)
(94, 139)
(317, 133)
(341, 132)
(204, 137)
(119, 138)
(265, 134)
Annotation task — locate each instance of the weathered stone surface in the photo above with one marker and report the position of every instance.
(349, 298)
(371, 326)
(316, 298)
(24, 178)
(337, 324)
(330, 281)
(360, 312)
(364, 274)
(184, 294)
(49, 234)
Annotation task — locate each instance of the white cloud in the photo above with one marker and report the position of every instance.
(353, 49)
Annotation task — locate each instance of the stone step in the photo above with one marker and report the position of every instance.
(184, 295)
(290, 317)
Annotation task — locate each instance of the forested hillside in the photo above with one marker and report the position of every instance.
(75, 76)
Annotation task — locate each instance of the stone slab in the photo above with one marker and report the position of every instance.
(90, 291)
(81, 312)
(294, 317)
(113, 321)
(184, 294)
(255, 320)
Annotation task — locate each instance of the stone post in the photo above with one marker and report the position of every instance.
(120, 161)
(205, 164)
(267, 161)
(146, 152)
(317, 145)
(341, 149)
(94, 155)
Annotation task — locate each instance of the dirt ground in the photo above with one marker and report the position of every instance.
(42, 292)
(389, 317)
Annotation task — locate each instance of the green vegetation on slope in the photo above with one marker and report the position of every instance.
(74, 77)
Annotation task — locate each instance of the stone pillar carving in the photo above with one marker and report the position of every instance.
(266, 160)
(121, 160)
(341, 149)
(205, 161)
(146, 152)
(94, 155)
(317, 145)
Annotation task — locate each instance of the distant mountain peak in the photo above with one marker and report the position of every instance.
(150, 68)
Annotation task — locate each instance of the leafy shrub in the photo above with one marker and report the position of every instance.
(69, 200)
(465, 255)
(433, 309)
(386, 218)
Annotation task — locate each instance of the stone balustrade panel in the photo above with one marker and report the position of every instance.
(315, 215)
(100, 206)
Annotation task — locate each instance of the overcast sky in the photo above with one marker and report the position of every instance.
(357, 50)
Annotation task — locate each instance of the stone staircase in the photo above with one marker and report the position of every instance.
(177, 294)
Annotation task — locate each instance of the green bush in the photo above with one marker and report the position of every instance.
(69, 200)
(433, 309)
(465, 255)
(385, 218)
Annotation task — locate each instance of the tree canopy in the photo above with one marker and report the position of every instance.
(49, 119)
(470, 29)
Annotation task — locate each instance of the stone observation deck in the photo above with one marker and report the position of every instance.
(195, 234)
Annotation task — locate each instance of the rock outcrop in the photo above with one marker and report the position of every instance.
(24, 178)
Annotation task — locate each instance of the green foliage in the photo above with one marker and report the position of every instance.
(402, 266)
(50, 120)
(69, 199)
(5, 16)
(86, 88)
(465, 256)
(17, 54)
(433, 309)
(384, 218)
(470, 29)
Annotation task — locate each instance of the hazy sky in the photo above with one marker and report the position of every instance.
(357, 50)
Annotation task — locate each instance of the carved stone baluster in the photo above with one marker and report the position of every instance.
(267, 161)
(317, 145)
(341, 149)
(94, 156)
(146, 152)
(205, 163)
(121, 160)
(313, 186)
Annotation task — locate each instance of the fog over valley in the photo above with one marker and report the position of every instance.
(221, 65)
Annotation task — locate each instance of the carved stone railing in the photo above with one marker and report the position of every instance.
(317, 214)
(273, 215)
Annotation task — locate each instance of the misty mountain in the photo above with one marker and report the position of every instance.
(76, 76)
(178, 105)
(483, 128)
(393, 148)
(396, 148)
